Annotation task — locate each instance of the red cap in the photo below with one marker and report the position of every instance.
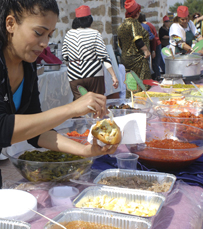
(182, 11)
(166, 18)
(82, 11)
(132, 5)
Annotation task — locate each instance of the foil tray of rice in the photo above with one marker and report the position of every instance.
(97, 219)
(133, 202)
(13, 224)
(135, 179)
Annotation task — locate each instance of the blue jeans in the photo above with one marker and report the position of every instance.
(156, 62)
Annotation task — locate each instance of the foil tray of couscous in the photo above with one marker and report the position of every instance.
(135, 179)
(13, 224)
(134, 202)
(97, 219)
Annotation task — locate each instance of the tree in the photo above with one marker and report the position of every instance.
(193, 6)
(173, 9)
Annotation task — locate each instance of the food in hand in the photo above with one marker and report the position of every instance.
(107, 131)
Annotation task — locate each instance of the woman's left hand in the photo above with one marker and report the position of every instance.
(97, 150)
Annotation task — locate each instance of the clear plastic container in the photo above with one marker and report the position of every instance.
(127, 160)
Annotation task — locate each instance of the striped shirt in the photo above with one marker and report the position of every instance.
(85, 51)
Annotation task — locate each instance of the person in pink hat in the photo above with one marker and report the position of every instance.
(133, 40)
(182, 32)
(84, 50)
(164, 32)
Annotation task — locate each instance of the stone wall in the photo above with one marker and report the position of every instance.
(107, 16)
(101, 13)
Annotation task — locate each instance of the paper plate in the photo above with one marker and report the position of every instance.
(16, 204)
(199, 45)
(166, 51)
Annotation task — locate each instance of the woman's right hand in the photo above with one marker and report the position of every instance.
(147, 54)
(96, 101)
(153, 54)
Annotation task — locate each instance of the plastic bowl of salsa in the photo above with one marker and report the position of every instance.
(169, 146)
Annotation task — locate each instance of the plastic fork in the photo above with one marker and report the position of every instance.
(110, 114)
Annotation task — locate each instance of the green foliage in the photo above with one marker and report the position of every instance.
(173, 9)
(193, 6)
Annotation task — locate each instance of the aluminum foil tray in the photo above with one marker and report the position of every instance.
(101, 217)
(13, 224)
(145, 175)
(136, 196)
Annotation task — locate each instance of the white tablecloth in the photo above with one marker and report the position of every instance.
(54, 89)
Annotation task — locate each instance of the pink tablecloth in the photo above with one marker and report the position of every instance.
(182, 209)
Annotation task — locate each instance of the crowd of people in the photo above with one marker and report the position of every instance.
(26, 27)
(134, 42)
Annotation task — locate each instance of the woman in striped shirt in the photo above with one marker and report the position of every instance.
(85, 51)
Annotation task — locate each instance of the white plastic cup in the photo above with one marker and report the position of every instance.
(127, 160)
(63, 195)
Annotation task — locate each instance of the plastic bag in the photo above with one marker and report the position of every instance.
(183, 208)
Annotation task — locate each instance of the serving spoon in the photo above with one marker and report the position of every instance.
(196, 88)
(51, 220)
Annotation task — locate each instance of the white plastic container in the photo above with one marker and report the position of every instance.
(63, 195)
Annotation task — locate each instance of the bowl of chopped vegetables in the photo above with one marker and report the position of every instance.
(43, 165)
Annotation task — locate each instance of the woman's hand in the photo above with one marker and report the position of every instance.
(153, 54)
(96, 101)
(97, 150)
(200, 38)
(187, 47)
(114, 78)
(146, 52)
(115, 82)
(201, 52)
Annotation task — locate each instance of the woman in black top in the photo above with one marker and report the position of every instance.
(25, 29)
(164, 32)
